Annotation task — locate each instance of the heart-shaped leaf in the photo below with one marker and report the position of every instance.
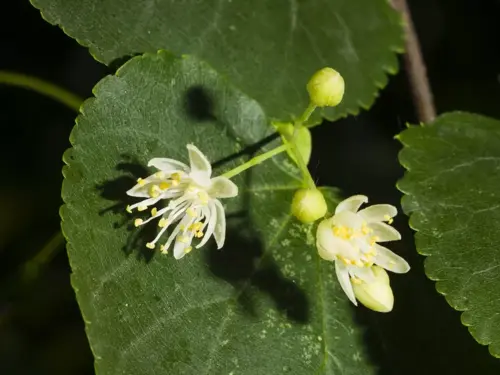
(269, 49)
(263, 304)
(452, 189)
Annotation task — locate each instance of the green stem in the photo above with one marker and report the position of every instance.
(308, 180)
(42, 87)
(254, 161)
(43, 257)
(307, 113)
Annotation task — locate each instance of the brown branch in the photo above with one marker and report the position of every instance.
(415, 67)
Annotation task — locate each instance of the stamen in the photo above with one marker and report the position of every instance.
(188, 249)
(142, 208)
(154, 191)
(163, 223)
(175, 176)
(164, 185)
(191, 212)
(154, 211)
(203, 196)
(356, 281)
(141, 182)
(183, 239)
(128, 209)
(388, 219)
(365, 229)
(373, 240)
(138, 222)
(150, 245)
(199, 234)
(163, 249)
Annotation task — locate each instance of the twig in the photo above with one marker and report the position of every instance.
(415, 67)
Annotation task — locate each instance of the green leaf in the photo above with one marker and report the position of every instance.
(269, 49)
(452, 194)
(264, 304)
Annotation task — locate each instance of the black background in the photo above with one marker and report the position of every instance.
(41, 330)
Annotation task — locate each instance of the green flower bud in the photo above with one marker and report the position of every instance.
(376, 295)
(326, 88)
(308, 205)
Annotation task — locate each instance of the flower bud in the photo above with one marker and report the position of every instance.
(376, 295)
(308, 205)
(326, 88)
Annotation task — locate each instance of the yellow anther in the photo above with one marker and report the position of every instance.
(138, 222)
(345, 260)
(163, 223)
(142, 208)
(164, 185)
(128, 209)
(199, 234)
(373, 240)
(141, 182)
(356, 281)
(360, 263)
(183, 239)
(154, 191)
(154, 211)
(191, 212)
(160, 174)
(388, 219)
(175, 176)
(175, 183)
(195, 226)
(365, 229)
(163, 249)
(188, 249)
(203, 196)
(150, 245)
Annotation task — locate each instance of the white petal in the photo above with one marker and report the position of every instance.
(329, 246)
(141, 190)
(222, 187)
(390, 261)
(384, 232)
(220, 225)
(378, 212)
(345, 281)
(363, 273)
(201, 170)
(351, 204)
(180, 247)
(347, 219)
(168, 165)
(212, 220)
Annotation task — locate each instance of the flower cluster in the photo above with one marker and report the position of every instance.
(193, 202)
(351, 237)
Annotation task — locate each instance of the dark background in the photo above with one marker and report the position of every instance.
(41, 330)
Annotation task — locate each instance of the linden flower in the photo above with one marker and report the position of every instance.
(350, 238)
(193, 205)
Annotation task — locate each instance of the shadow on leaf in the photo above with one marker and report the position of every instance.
(244, 263)
(115, 190)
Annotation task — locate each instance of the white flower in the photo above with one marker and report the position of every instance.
(350, 239)
(193, 205)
